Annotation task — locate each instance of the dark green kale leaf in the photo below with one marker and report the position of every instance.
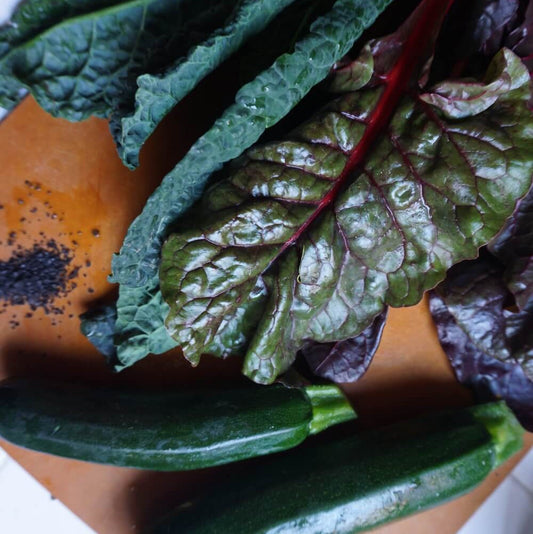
(98, 326)
(367, 204)
(82, 58)
(158, 93)
(28, 20)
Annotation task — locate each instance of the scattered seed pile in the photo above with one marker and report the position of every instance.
(37, 276)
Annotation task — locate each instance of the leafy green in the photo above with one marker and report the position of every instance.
(77, 65)
(513, 246)
(98, 326)
(157, 94)
(140, 325)
(258, 105)
(488, 342)
(305, 241)
(29, 19)
(348, 359)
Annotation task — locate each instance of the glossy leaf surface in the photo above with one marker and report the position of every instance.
(258, 105)
(489, 344)
(514, 247)
(309, 238)
(346, 360)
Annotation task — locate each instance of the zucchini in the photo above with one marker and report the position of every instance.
(170, 430)
(359, 482)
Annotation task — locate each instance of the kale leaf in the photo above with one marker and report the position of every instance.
(80, 58)
(159, 93)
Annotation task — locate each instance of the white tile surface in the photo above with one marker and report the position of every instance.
(27, 507)
(3, 458)
(6, 8)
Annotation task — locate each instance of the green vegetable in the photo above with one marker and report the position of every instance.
(258, 105)
(158, 93)
(309, 238)
(363, 481)
(141, 311)
(82, 58)
(165, 430)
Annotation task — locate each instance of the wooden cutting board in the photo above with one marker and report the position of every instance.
(65, 182)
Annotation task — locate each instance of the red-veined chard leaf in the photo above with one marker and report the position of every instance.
(489, 344)
(346, 360)
(141, 311)
(82, 58)
(520, 40)
(365, 205)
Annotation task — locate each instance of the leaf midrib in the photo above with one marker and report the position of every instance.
(395, 83)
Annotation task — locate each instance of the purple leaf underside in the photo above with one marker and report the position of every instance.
(489, 345)
(346, 360)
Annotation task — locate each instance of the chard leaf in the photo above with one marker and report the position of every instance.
(346, 360)
(365, 205)
(258, 105)
(489, 346)
(520, 40)
(158, 93)
(514, 247)
(476, 30)
(458, 99)
(78, 63)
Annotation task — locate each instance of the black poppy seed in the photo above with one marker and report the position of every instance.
(37, 276)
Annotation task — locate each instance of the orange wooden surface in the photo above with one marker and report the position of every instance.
(85, 195)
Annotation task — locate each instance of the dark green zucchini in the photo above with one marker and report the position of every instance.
(171, 430)
(359, 482)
